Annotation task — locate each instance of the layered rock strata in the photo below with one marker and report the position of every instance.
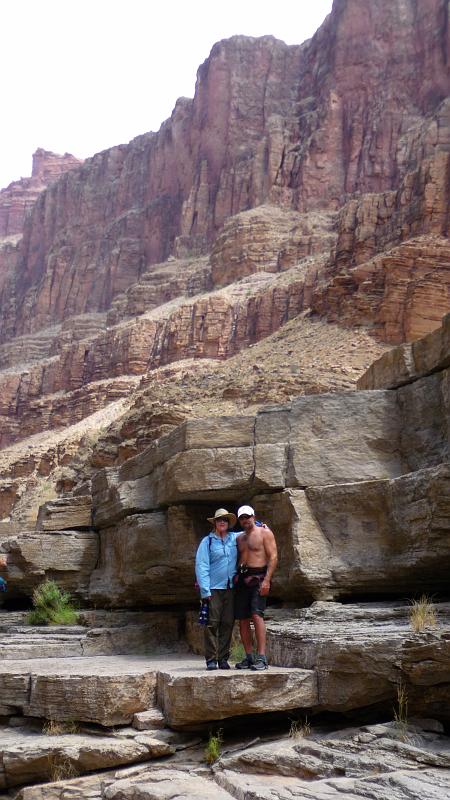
(293, 126)
(409, 362)
(20, 196)
(362, 653)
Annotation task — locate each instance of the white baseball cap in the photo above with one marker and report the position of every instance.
(246, 510)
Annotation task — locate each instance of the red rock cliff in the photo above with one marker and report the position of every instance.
(303, 127)
(20, 195)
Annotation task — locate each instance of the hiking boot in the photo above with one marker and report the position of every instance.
(246, 663)
(211, 664)
(260, 663)
(224, 664)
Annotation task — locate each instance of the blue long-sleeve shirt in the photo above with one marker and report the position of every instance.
(215, 562)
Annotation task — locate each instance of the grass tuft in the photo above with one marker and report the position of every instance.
(52, 606)
(300, 729)
(422, 614)
(401, 712)
(213, 748)
(61, 768)
(53, 727)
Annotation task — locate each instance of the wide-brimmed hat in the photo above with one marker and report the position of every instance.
(222, 512)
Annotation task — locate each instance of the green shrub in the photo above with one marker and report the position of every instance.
(52, 606)
(214, 747)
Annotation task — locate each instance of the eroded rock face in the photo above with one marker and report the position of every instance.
(293, 126)
(268, 239)
(361, 652)
(20, 195)
(362, 538)
(65, 556)
(355, 763)
(28, 756)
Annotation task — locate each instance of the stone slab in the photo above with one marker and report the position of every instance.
(360, 653)
(167, 784)
(27, 755)
(68, 557)
(377, 761)
(124, 633)
(193, 696)
(108, 690)
(65, 513)
(411, 361)
(341, 438)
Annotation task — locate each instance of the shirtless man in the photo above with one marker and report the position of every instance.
(257, 562)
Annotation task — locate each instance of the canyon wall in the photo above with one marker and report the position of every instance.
(302, 127)
(17, 198)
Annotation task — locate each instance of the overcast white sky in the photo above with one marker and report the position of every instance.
(82, 75)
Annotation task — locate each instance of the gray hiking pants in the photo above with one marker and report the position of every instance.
(219, 629)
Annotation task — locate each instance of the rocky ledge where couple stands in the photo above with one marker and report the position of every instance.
(111, 690)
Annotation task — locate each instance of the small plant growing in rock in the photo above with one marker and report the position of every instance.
(213, 748)
(300, 729)
(61, 768)
(53, 727)
(401, 712)
(52, 606)
(422, 614)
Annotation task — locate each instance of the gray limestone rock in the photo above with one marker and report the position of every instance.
(362, 538)
(361, 653)
(68, 557)
(27, 756)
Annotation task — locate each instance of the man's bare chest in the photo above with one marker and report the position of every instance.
(255, 541)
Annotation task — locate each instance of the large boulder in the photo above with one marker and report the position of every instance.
(317, 440)
(68, 557)
(370, 537)
(190, 697)
(147, 559)
(410, 361)
(361, 653)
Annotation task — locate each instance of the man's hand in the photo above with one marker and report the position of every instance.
(2, 561)
(264, 588)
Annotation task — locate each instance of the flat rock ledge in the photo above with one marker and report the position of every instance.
(27, 755)
(107, 690)
(114, 690)
(192, 696)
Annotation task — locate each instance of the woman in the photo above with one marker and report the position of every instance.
(215, 568)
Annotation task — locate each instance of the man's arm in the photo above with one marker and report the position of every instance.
(270, 548)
